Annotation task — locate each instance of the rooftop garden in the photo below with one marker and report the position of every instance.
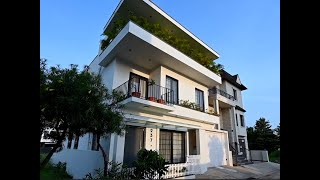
(181, 44)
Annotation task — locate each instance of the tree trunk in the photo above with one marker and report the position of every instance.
(105, 160)
(56, 146)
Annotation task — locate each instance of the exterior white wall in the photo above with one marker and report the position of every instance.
(228, 88)
(241, 130)
(186, 87)
(214, 148)
(94, 65)
(122, 72)
(259, 155)
(79, 162)
(85, 142)
(156, 75)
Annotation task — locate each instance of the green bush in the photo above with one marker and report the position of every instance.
(164, 34)
(53, 171)
(115, 171)
(275, 156)
(149, 165)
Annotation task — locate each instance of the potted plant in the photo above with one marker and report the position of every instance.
(151, 82)
(136, 93)
(161, 101)
(151, 98)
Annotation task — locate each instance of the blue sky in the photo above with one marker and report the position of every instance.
(245, 33)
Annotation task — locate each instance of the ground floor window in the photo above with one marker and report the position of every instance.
(172, 146)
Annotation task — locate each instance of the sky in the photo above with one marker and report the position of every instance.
(246, 35)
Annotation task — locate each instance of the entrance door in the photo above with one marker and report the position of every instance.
(138, 84)
(242, 147)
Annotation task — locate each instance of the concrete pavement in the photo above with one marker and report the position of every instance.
(258, 170)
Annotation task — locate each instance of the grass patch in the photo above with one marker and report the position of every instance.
(275, 156)
(53, 171)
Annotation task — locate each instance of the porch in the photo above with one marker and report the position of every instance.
(178, 146)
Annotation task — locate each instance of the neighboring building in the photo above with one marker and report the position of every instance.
(158, 114)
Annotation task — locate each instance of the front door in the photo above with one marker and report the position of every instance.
(242, 147)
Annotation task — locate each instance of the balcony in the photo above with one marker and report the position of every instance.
(226, 99)
(136, 46)
(146, 96)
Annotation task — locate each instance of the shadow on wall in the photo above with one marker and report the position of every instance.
(217, 152)
(79, 162)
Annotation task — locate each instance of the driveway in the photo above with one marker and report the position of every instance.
(258, 170)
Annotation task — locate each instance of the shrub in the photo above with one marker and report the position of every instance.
(54, 171)
(275, 156)
(115, 171)
(149, 165)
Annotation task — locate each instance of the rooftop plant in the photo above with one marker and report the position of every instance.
(164, 34)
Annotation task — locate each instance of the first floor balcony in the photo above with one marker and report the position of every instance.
(145, 95)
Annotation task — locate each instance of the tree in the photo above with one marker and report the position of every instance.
(107, 119)
(43, 77)
(261, 136)
(251, 136)
(277, 130)
(73, 103)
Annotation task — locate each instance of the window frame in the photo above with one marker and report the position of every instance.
(183, 146)
(242, 120)
(237, 119)
(196, 89)
(173, 79)
(235, 94)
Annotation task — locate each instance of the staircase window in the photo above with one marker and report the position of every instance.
(237, 119)
(235, 94)
(241, 120)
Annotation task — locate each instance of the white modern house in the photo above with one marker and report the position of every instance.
(159, 81)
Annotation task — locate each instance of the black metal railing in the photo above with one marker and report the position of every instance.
(222, 93)
(144, 89)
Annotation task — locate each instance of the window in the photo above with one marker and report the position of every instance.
(95, 140)
(235, 94)
(241, 120)
(172, 146)
(76, 142)
(138, 84)
(172, 84)
(199, 99)
(237, 119)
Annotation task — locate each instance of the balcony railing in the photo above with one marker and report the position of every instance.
(222, 93)
(143, 89)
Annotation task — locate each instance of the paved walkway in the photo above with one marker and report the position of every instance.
(259, 170)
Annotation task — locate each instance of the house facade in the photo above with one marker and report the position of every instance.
(192, 116)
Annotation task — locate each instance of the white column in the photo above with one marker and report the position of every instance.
(120, 148)
(187, 144)
(158, 140)
(151, 139)
(234, 126)
(203, 150)
(216, 106)
(198, 141)
(111, 146)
